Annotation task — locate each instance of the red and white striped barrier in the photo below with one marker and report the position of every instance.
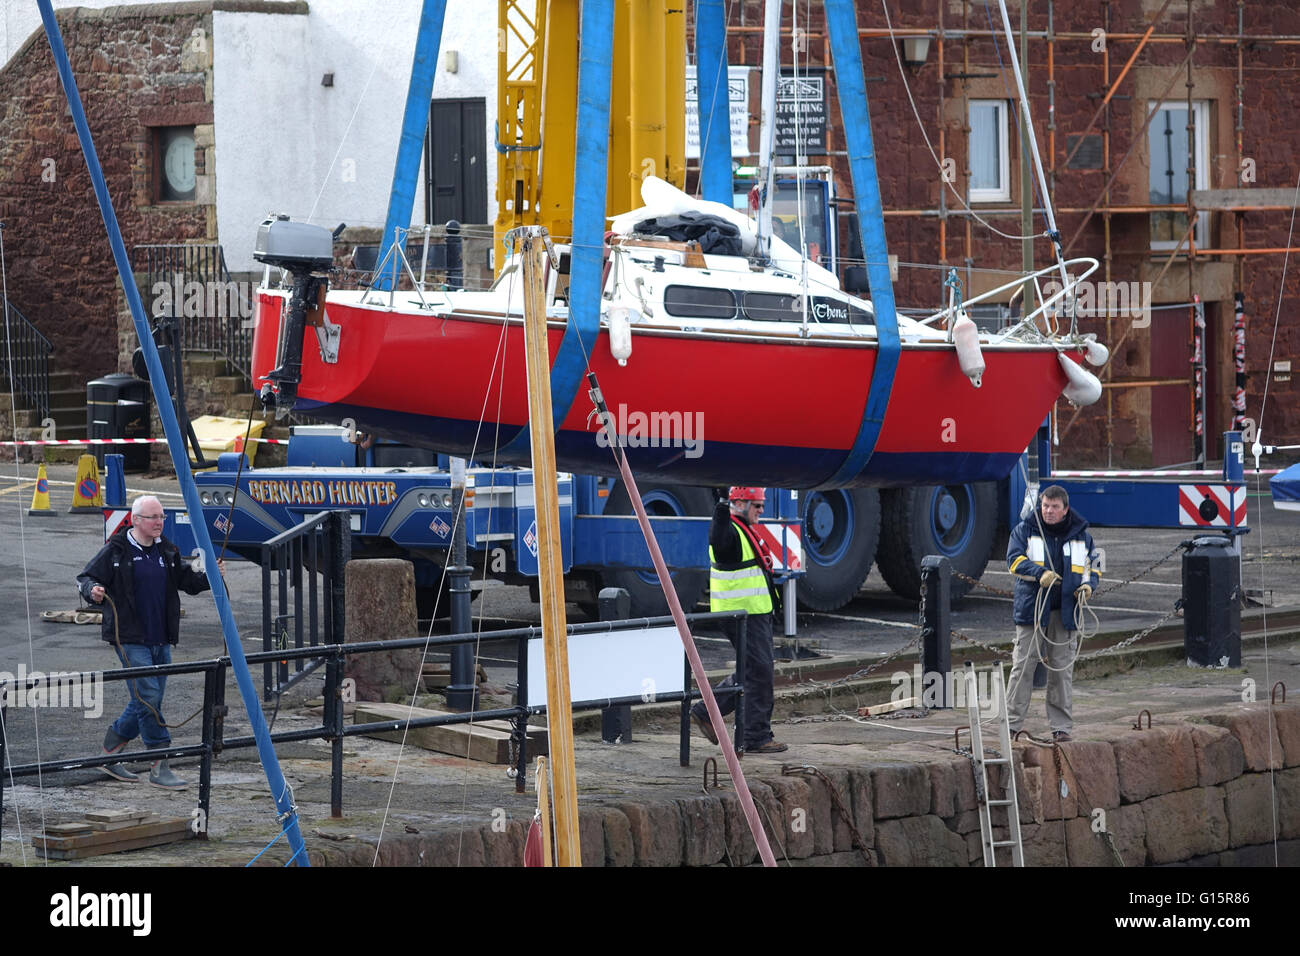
(1212, 506)
(118, 441)
(1193, 473)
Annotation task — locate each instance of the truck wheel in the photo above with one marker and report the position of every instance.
(956, 521)
(643, 586)
(841, 528)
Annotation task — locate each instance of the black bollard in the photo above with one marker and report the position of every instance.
(616, 721)
(936, 632)
(1212, 602)
(462, 692)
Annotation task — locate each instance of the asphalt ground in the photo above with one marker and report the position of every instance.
(42, 555)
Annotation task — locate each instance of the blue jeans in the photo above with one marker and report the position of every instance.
(137, 719)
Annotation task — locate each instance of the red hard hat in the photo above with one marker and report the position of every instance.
(747, 494)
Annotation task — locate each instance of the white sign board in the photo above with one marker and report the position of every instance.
(738, 103)
(609, 664)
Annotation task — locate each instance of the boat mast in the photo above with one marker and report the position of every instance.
(767, 128)
(1052, 232)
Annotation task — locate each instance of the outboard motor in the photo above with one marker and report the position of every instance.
(305, 251)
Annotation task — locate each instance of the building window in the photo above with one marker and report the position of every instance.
(990, 170)
(174, 171)
(1167, 139)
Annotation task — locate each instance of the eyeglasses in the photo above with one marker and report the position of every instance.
(151, 517)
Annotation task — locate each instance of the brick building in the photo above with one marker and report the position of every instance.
(206, 115)
(1235, 64)
(295, 107)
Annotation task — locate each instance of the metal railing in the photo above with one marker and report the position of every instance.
(304, 564)
(333, 728)
(28, 354)
(214, 312)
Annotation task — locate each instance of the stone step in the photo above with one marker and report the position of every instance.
(232, 386)
(204, 366)
(67, 397)
(66, 418)
(61, 381)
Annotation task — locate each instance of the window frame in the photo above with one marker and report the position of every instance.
(1003, 192)
(1201, 121)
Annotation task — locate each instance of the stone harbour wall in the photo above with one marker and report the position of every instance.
(1213, 789)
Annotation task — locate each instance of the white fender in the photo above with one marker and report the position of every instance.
(1084, 388)
(966, 337)
(620, 334)
(1096, 353)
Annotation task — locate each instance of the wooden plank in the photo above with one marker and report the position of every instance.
(443, 672)
(116, 816)
(537, 736)
(886, 708)
(123, 824)
(478, 742)
(119, 846)
(1243, 198)
(103, 838)
(66, 829)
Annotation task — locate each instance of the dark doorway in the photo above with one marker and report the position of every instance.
(456, 161)
(1171, 405)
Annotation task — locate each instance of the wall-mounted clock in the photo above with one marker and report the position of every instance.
(176, 162)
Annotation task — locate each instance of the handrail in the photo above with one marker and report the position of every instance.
(223, 325)
(29, 353)
(214, 711)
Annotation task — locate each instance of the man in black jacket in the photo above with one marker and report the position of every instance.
(740, 579)
(1052, 555)
(141, 573)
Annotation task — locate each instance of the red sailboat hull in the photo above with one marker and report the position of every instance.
(690, 408)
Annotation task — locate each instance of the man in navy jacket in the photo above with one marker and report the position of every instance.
(1052, 556)
(141, 574)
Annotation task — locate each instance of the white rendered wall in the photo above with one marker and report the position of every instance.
(285, 143)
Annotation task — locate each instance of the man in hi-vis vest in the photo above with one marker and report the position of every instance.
(1051, 554)
(740, 579)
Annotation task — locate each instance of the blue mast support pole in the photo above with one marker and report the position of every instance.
(713, 100)
(590, 172)
(842, 24)
(287, 811)
(414, 123)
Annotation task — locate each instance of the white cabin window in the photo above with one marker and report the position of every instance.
(990, 168)
(1167, 139)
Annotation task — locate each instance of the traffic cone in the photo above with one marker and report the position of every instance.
(88, 493)
(41, 496)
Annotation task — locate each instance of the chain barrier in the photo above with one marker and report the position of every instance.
(806, 770)
(1100, 591)
(1178, 606)
(980, 584)
(1141, 574)
(516, 733)
(1001, 652)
